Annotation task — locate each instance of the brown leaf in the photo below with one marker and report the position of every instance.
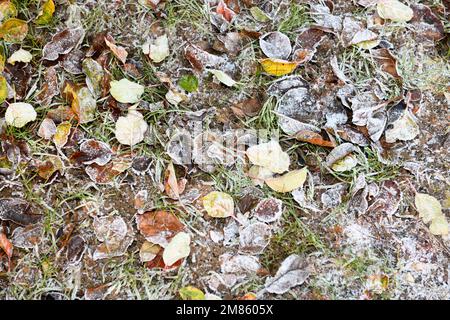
(226, 12)
(118, 51)
(173, 187)
(17, 211)
(92, 151)
(7, 247)
(249, 107)
(387, 61)
(158, 226)
(62, 43)
(314, 138)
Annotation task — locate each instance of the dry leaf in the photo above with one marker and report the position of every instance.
(275, 45)
(118, 51)
(430, 210)
(130, 130)
(172, 186)
(394, 10)
(62, 43)
(218, 204)
(14, 30)
(62, 134)
(289, 181)
(223, 77)
(19, 114)
(160, 49)
(270, 156)
(278, 67)
(126, 91)
(7, 247)
(20, 55)
(178, 248)
(158, 226)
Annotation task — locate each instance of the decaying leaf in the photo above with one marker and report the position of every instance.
(46, 13)
(289, 181)
(224, 11)
(270, 156)
(92, 151)
(314, 138)
(19, 114)
(49, 166)
(115, 237)
(106, 174)
(278, 67)
(82, 102)
(394, 10)
(126, 91)
(62, 133)
(118, 51)
(172, 186)
(268, 210)
(254, 238)
(218, 204)
(388, 199)
(178, 248)
(18, 211)
(7, 247)
(430, 210)
(62, 43)
(294, 271)
(158, 226)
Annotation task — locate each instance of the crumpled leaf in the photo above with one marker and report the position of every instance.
(314, 138)
(387, 62)
(430, 210)
(254, 238)
(270, 156)
(47, 168)
(178, 248)
(130, 130)
(405, 128)
(7, 247)
(18, 211)
(14, 30)
(106, 174)
(292, 272)
(159, 50)
(126, 91)
(224, 11)
(158, 226)
(278, 67)
(223, 77)
(191, 293)
(289, 181)
(62, 43)
(268, 210)
(20, 55)
(218, 204)
(19, 114)
(275, 45)
(82, 102)
(46, 13)
(61, 136)
(394, 10)
(118, 51)
(172, 186)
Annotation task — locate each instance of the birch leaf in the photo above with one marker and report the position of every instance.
(439, 226)
(19, 114)
(20, 56)
(278, 67)
(126, 91)
(3, 89)
(427, 206)
(394, 10)
(270, 156)
(218, 204)
(46, 13)
(191, 293)
(404, 129)
(62, 134)
(178, 248)
(160, 49)
(289, 181)
(223, 77)
(130, 130)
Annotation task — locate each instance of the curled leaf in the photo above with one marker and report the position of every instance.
(223, 77)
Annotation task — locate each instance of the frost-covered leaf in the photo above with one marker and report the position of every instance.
(439, 226)
(278, 67)
(430, 210)
(268, 210)
(82, 102)
(118, 51)
(48, 167)
(394, 10)
(218, 204)
(158, 226)
(7, 247)
(62, 133)
(338, 153)
(130, 130)
(270, 156)
(178, 248)
(405, 128)
(175, 97)
(345, 164)
(19, 114)
(259, 15)
(62, 43)
(159, 50)
(289, 181)
(92, 151)
(126, 91)
(7, 10)
(14, 30)
(148, 251)
(47, 129)
(172, 186)
(254, 238)
(223, 77)
(20, 55)
(275, 45)
(292, 272)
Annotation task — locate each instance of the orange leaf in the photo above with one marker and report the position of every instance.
(226, 12)
(7, 247)
(313, 138)
(173, 187)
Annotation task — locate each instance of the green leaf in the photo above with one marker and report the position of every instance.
(189, 83)
(191, 293)
(46, 13)
(14, 30)
(3, 89)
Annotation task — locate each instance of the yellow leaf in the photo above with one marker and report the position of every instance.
(191, 293)
(439, 226)
(178, 248)
(394, 10)
(427, 206)
(3, 89)
(289, 181)
(46, 13)
(218, 204)
(7, 10)
(62, 134)
(278, 67)
(14, 30)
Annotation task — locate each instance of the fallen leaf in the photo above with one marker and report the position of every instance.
(114, 233)
(314, 138)
(223, 77)
(14, 30)
(178, 248)
(292, 272)
(338, 153)
(7, 247)
(191, 293)
(126, 91)
(130, 130)
(277, 67)
(289, 181)
(148, 251)
(270, 156)
(92, 151)
(159, 50)
(405, 128)
(48, 167)
(118, 51)
(106, 174)
(430, 210)
(172, 186)
(218, 204)
(62, 43)
(275, 45)
(345, 164)
(18, 211)
(158, 226)
(62, 133)
(268, 210)
(188, 83)
(394, 10)
(224, 11)
(82, 102)
(20, 55)
(95, 76)
(3, 89)
(19, 114)
(46, 13)
(254, 238)
(7, 10)
(259, 15)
